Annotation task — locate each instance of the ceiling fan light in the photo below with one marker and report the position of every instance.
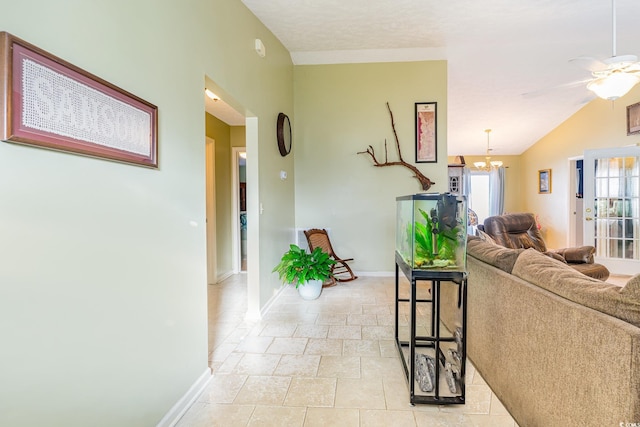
(614, 85)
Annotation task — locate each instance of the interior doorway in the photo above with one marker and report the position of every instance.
(575, 236)
(239, 203)
(239, 128)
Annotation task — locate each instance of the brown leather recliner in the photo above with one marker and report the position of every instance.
(519, 230)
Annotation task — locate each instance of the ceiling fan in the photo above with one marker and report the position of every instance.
(614, 76)
(611, 78)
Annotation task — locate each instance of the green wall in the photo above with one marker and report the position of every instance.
(340, 110)
(238, 136)
(221, 133)
(103, 291)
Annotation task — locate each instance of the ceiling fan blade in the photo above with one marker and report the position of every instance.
(587, 99)
(589, 63)
(541, 92)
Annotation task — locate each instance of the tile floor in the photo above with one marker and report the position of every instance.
(328, 362)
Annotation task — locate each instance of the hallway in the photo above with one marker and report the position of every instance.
(328, 362)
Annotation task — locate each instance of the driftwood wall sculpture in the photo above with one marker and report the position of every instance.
(425, 182)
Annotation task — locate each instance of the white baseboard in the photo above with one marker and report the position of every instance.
(172, 417)
(224, 276)
(272, 301)
(375, 273)
(254, 317)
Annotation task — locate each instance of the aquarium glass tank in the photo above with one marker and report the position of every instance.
(431, 231)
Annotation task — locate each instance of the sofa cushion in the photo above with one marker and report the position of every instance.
(555, 256)
(632, 288)
(568, 283)
(484, 236)
(495, 255)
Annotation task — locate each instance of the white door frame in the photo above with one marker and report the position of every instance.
(235, 208)
(253, 220)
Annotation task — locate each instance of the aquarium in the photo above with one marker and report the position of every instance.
(431, 231)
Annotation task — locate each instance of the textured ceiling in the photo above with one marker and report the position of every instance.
(496, 51)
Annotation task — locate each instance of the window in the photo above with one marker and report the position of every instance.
(479, 195)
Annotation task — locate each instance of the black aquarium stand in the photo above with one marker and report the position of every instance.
(440, 347)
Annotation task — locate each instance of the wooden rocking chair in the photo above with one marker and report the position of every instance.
(318, 238)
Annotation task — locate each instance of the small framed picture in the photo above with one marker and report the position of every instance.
(544, 181)
(426, 132)
(633, 119)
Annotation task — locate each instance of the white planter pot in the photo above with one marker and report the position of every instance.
(310, 290)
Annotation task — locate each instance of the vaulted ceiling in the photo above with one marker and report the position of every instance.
(497, 50)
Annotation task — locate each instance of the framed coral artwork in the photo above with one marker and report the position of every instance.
(426, 132)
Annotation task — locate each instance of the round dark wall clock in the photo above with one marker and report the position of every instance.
(284, 134)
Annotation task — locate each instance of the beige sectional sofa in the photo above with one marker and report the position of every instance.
(558, 348)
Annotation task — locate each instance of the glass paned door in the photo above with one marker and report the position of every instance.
(612, 207)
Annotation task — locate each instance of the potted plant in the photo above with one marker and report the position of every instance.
(306, 270)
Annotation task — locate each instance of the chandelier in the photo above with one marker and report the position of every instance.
(487, 165)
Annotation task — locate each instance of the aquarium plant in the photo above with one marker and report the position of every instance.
(436, 237)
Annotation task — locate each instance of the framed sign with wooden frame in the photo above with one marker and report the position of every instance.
(50, 103)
